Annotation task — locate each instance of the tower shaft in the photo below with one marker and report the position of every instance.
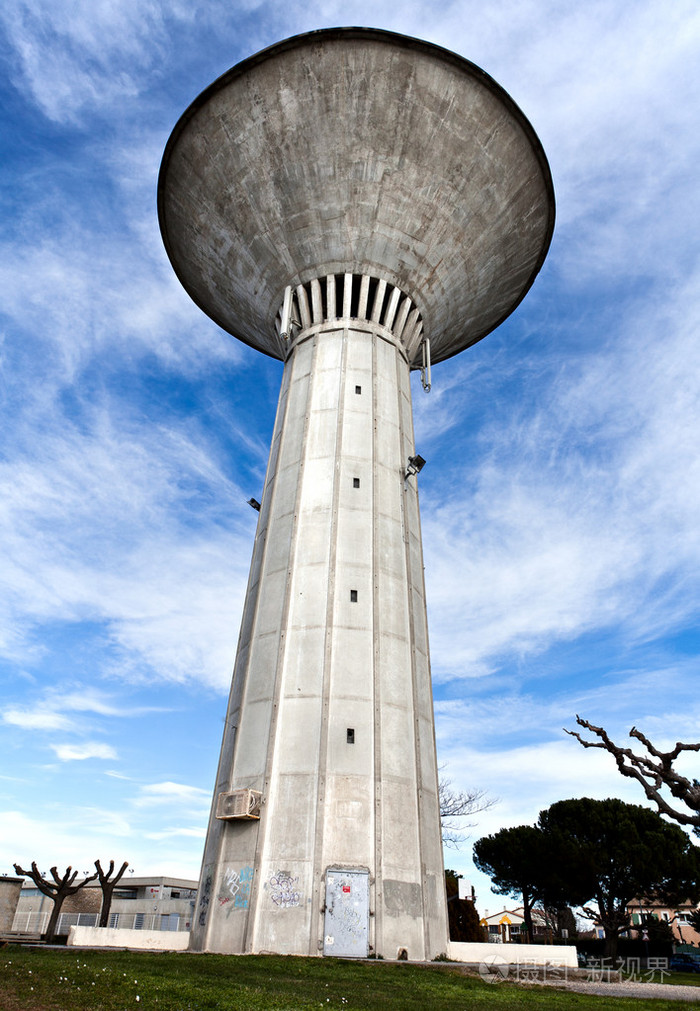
(330, 716)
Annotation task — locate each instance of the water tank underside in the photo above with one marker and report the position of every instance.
(356, 151)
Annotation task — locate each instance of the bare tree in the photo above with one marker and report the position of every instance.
(57, 890)
(653, 771)
(456, 805)
(107, 884)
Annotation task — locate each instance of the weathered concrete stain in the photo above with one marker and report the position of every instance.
(402, 898)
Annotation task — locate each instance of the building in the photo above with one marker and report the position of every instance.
(677, 917)
(10, 890)
(149, 903)
(358, 205)
(509, 925)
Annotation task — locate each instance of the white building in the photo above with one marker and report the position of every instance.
(148, 903)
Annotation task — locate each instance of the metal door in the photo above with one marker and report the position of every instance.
(346, 924)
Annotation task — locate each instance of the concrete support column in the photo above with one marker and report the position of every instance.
(330, 715)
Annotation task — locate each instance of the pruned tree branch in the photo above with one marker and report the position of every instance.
(57, 890)
(105, 878)
(613, 919)
(63, 886)
(652, 771)
(107, 884)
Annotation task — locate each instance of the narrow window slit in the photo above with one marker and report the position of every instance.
(350, 735)
(356, 482)
(355, 297)
(353, 596)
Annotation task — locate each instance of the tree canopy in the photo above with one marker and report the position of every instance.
(597, 854)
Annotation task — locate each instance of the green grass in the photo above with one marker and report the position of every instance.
(39, 979)
(683, 979)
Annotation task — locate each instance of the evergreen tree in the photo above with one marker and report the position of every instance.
(598, 854)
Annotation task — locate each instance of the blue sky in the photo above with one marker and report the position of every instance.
(560, 500)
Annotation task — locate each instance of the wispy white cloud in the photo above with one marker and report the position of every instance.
(81, 834)
(583, 514)
(30, 719)
(542, 708)
(50, 708)
(90, 533)
(169, 793)
(99, 292)
(189, 833)
(80, 752)
(87, 700)
(64, 52)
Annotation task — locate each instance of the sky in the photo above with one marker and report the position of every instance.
(561, 498)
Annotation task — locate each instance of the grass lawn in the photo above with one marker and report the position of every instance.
(38, 979)
(684, 979)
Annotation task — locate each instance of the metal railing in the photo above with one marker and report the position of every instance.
(36, 923)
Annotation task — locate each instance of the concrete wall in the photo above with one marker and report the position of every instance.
(87, 900)
(514, 954)
(10, 889)
(106, 937)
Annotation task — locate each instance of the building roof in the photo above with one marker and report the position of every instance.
(134, 882)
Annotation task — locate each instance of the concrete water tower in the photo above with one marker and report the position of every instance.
(356, 204)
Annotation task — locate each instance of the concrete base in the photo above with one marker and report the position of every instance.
(514, 954)
(111, 937)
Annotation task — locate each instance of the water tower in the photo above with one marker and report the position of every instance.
(358, 205)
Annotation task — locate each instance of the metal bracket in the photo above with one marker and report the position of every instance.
(286, 313)
(288, 320)
(425, 376)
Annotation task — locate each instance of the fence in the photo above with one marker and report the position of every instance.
(36, 923)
